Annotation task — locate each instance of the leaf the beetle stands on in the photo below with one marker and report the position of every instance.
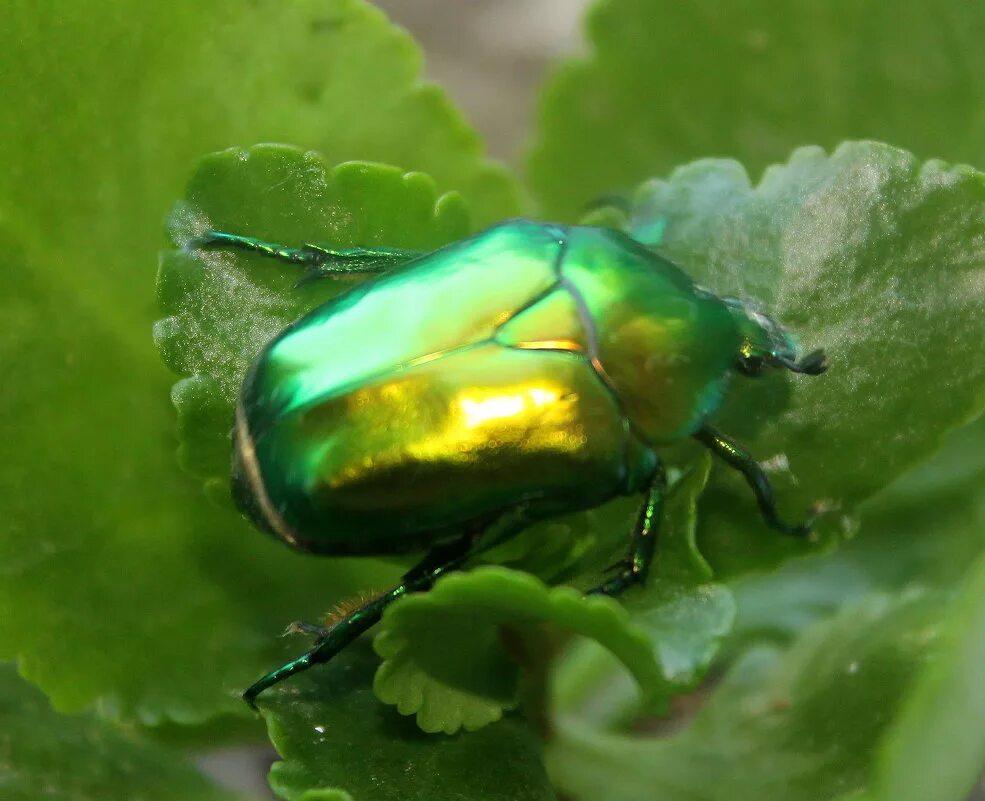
(224, 307)
(211, 335)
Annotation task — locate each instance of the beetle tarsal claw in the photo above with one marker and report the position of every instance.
(617, 565)
(300, 627)
(814, 363)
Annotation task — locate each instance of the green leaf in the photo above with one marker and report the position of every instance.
(44, 755)
(151, 600)
(165, 84)
(338, 742)
(665, 82)
(685, 614)
(925, 528)
(867, 253)
(936, 748)
(224, 307)
(444, 655)
(799, 725)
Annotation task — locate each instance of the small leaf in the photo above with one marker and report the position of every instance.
(685, 614)
(44, 755)
(801, 726)
(338, 742)
(664, 82)
(444, 658)
(873, 256)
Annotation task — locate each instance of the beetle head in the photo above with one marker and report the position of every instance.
(766, 343)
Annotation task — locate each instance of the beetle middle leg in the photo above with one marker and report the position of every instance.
(636, 565)
(738, 458)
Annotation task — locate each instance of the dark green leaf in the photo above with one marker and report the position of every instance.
(801, 725)
(925, 528)
(335, 736)
(667, 82)
(44, 755)
(936, 748)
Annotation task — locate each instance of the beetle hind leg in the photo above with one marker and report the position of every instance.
(440, 560)
(331, 640)
(738, 458)
(635, 567)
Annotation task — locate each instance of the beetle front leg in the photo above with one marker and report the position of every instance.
(635, 567)
(736, 457)
(318, 260)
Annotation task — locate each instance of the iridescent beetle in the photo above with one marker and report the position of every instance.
(528, 371)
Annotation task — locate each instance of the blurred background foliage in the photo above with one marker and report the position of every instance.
(138, 606)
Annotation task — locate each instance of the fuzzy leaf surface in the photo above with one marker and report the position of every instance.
(870, 254)
(924, 529)
(223, 307)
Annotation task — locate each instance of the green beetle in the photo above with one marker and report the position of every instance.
(528, 371)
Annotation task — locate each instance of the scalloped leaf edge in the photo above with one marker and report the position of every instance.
(517, 598)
